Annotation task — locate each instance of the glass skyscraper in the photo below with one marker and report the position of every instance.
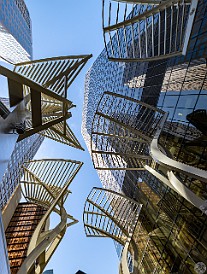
(4, 266)
(24, 151)
(171, 233)
(15, 46)
(50, 271)
(15, 31)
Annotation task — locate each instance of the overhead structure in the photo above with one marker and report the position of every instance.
(121, 132)
(147, 30)
(45, 183)
(41, 86)
(172, 167)
(111, 214)
(125, 135)
(55, 74)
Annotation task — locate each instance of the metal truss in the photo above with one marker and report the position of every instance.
(147, 30)
(122, 129)
(42, 87)
(45, 183)
(55, 74)
(125, 134)
(164, 159)
(111, 214)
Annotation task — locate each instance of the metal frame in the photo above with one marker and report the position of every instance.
(156, 152)
(56, 73)
(159, 29)
(121, 131)
(111, 214)
(121, 127)
(42, 86)
(45, 183)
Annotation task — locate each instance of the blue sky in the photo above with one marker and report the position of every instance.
(67, 27)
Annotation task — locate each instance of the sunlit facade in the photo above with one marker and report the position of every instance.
(24, 150)
(48, 272)
(171, 233)
(4, 266)
(19, 232)
(15, 32)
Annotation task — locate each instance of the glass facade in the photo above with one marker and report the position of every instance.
(15, 31)
(24, 150)
(4, 265)
(48, 272)
(171, 234)
(19, 232)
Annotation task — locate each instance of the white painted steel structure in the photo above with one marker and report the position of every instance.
(147, 30)
(45, 183)
(128, 131)
(111, 214)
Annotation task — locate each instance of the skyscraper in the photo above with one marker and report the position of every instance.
(171, 231)
(15, 31)
(30, 239)
(50, 271)
(4, 266)
(24, 150)
(19, 232)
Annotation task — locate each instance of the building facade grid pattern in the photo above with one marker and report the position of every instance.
(171, 233)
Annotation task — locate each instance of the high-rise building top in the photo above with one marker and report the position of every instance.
(49, 271)
(15, 31)
(102, 76)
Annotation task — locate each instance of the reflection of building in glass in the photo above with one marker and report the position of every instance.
(15, 31)
(150, 31)
(171, 231)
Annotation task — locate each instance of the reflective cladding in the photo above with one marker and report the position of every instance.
(15, 31)
(48, 271)
(23, 151)
(4, 265)
(15, 18)
(171, 232)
